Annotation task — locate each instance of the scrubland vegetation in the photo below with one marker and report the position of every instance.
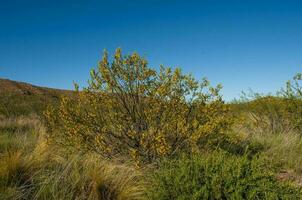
(139, 133)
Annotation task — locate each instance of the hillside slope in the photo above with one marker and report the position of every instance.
(18, 98)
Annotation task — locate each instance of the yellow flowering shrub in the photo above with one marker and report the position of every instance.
(131, 109)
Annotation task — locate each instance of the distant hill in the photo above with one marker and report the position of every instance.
(18, 98)
(21, 88)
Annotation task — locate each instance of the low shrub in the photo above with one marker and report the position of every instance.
(218, 175)
(270, 114)
(279, 113)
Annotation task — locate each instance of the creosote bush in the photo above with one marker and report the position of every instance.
(130, 109)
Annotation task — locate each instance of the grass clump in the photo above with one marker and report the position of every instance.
(87, 177)
(283, 151)
(18, 133)
(32, 168)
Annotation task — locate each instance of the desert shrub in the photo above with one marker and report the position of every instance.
(218, 175)
(279, 113)
(275, 114)
(237, 144)
(293, 88)
(131, 109)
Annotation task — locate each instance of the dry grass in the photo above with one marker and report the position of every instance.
(285, 149)
(30, 122)
(45, 171)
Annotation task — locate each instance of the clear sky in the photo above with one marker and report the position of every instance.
(241, 44)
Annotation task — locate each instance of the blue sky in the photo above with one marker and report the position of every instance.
(241, 44)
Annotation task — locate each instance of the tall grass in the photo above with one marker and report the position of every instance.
(19, 132)
(30, 168)
(283, 151)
